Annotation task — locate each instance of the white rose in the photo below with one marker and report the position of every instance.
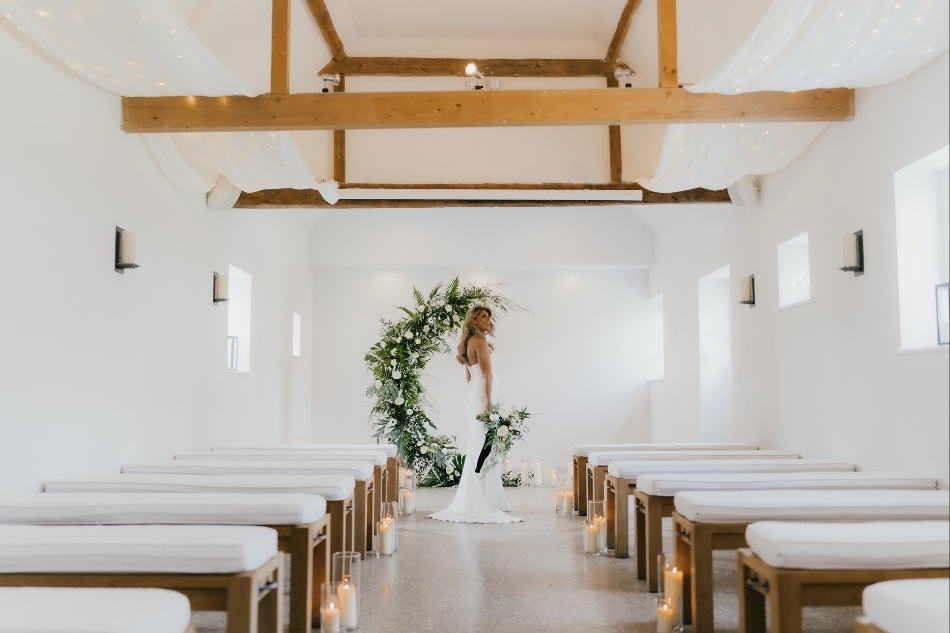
(393, 362)
(424, 450)
(425, 328)
(379, 384)
(408, 335)
(449, 469)
(398, 401)
(414, 355)
(504, 411)
(410, 411)
(419, 443)
(502, 431)
(448, 308)
(397, 374)
(494, 417)
(445, 451)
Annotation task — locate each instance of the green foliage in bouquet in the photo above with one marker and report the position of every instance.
(503, 425)
(400, 412)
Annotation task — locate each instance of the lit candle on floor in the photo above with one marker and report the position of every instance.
(568, 502)
(664, 618)
(524, 472)
(601, 523)
(349, 608)
(331, 618)
(546, 476)
(387, 537)
(537, 474)
(590, 537)
(406, 501)
(673, 588)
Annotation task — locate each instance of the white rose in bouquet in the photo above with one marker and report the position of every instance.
(393, 362)
(504, 411)
(494, 417)
(426, 328)
(449, 469)
(445, 451)
(502, 431)
(414, 355)
(448, 308)
(408, 335)
(397, 374)
(379, 384)
(410, 411)
(398, 401)
(424, 450)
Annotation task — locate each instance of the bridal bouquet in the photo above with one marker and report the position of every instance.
(503, 425)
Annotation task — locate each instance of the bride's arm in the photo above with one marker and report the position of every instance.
(483, 352)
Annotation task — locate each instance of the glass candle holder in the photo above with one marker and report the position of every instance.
(525, 470)
(345, 578)
(565, 495)
(330, 621)
(537, 473)
(597, 512)
(545, 471)
(590, 538)
(671, 586)
(665, 616)
(386, 529)
(407, 493)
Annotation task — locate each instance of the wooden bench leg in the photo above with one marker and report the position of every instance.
(242, 605)
(653, 538)
(785, 600)
(751, 603)
(360, 498)
(641, 534)
(392, 479)
(270, 605)
(700, 573)
(622, 521)
(580, 485)
(301, 579)
(372, 517)
(682, 554)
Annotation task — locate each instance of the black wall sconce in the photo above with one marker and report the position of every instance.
(219, 291)
(124, 250)
(747, 291)
(853, 249)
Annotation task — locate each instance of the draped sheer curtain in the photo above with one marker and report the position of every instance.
(143, 48)
(798, 45)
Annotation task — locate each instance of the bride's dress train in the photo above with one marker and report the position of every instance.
(480, 497)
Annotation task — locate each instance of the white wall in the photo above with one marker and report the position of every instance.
(98, 368)
(825, 378)
(578, 360)
(715, 357)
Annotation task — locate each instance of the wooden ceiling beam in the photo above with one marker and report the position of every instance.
(318, 8)
(668, 52)
(482, 108)
(620, 35)
(455, 67)
(311, 199)
(280, 47)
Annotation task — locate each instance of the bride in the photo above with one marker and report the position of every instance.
(480, 497)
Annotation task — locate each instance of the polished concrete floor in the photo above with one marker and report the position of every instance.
(522, 577)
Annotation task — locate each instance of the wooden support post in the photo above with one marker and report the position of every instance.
(620, 35)
(666, 39)
(280, 48)
(339, 144)
(318, 8)
(613, 138)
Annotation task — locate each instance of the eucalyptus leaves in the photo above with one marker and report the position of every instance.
(400, 412)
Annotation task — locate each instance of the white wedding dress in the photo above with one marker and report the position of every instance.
(480, 497)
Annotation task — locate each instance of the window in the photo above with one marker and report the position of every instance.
(296, 348)
(239, 320)
(715, 357)
(923, 248)
(794, 279)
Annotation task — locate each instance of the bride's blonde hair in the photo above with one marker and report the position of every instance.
(469, 329)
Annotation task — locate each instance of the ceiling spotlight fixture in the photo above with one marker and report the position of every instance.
(472, 71)
(330, 79)
(624, 76)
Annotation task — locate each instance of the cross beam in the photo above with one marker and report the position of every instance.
(495, 108)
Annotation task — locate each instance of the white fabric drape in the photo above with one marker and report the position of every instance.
(143, 48)
(799, 45)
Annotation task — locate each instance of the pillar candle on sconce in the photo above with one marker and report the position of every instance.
(219, 291)
(852, 247)
(124, 250)
(747, 291)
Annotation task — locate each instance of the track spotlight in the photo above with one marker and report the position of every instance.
(330, 79)
(624, 76)
(472, 71)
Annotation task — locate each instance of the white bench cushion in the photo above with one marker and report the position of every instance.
(357, 470)
(173, 549)
(636, 469)
(120, 508)
(875, 545)
(389, 449)
(92, 610)
(919, 605)
(742, 506)
(669, 485)
(583, 450)
(377, 458)
(330, 487)
(603, 458)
